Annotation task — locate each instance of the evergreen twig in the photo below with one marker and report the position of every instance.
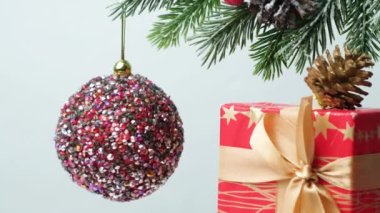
(376, 17)
(267, 54)
(182, 17)
(299, 45)
(362, 33)
(309, 41)
(132, 7)
(227, 28)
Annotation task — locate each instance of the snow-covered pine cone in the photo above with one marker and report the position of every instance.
(335, 81)
(284, 14)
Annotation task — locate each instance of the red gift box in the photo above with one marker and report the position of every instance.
(338, 134)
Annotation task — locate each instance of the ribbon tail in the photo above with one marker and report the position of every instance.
(291, 192)
(281, 195)
(316, 199)
(300, 196)
(328, 201)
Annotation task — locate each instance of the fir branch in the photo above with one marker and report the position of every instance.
(227, 28)
(300, 45)
(132, 7)
(267, 53)
(220, 30)
(362, 34)
(183, 16)
(376, 17)
(311, 40)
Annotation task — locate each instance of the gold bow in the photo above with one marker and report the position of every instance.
(283, 151)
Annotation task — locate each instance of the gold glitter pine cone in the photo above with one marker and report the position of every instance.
(335, 81)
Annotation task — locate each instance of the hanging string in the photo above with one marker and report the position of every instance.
(123, 26)
(122, 67)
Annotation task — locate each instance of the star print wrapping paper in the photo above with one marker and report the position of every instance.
(338, 134)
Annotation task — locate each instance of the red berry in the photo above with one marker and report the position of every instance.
(234, 2)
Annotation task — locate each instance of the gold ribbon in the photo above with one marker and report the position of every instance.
(283, 151)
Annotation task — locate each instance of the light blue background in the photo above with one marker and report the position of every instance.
(48, 49)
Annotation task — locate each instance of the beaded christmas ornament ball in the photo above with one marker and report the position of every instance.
(120, 137)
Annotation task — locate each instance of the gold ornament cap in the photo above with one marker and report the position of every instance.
(122, 68)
